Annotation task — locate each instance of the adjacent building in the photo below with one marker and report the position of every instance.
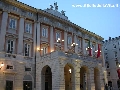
(112, 60)
(43, 50)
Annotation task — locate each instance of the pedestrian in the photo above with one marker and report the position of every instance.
(106, 87)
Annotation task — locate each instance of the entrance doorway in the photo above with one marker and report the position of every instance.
(83, 78)
(68, 72)
(46, 78)
(9, 85)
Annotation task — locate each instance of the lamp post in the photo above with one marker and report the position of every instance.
(58, 43)
(73, 46)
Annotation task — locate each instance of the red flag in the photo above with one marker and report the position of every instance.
(118, 71)
(98, 54)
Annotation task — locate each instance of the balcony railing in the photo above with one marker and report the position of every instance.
(57, 54)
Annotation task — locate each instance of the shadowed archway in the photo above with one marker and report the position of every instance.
(83, 78)
(46, 78)
(68, 75)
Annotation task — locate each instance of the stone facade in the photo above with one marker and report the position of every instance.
(35, 60)
(112, 60)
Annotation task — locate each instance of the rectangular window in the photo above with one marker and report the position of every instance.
(108, 73)
(27, 50)
(10, 46)
(44, 32)
(27, 69)
(78, 42)
(69, 40)
(12, 23)
(58, 35)
(114, 45)
(115, 54)
(30, 14)
(15, 8)
(44, 51)
(9, 67)
(28, 28)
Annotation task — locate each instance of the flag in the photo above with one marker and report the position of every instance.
(89, 48)
(98, 53)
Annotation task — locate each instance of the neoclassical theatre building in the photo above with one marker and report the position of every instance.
(43, 50)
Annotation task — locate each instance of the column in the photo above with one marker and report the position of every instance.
(20, 37)
(38, 38)
(58, 81)
(3, 30)
(77, 77)
(65, 41)
(91, 81)
(75, 41)
(51, 39)
(83, 46)
(103, 58)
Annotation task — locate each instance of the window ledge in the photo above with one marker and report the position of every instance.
(10, 71)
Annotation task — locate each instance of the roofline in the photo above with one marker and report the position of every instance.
(35, 10)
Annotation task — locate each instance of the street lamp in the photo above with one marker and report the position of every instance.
(2, 64)
(59, 41)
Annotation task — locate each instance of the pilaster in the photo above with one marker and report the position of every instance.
(103, 59)
(65, 41)
(75, 41)
(38, 37)
(83, 46)
(3, 30)
(77, 77)
(92, 79)
(20, 36)
(51, 39)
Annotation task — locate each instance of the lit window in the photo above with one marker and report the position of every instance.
(58, 35)
(44, 32)
(69, 40)
(12, 23)
(44, 50)
(28, 28)
(10, 45)
(27, 50)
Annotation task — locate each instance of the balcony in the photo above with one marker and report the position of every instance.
(16, 57)
(69, 55)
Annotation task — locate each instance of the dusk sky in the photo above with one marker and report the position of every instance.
(104, 21)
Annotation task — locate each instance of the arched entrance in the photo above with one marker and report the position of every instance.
(27, 82)
(46, 78)
(83, 78)
(97, 79)
(68, 74)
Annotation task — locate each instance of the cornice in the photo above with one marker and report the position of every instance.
(42, 12)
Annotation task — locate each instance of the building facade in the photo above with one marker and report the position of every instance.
(112, 60)
(43, 50)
